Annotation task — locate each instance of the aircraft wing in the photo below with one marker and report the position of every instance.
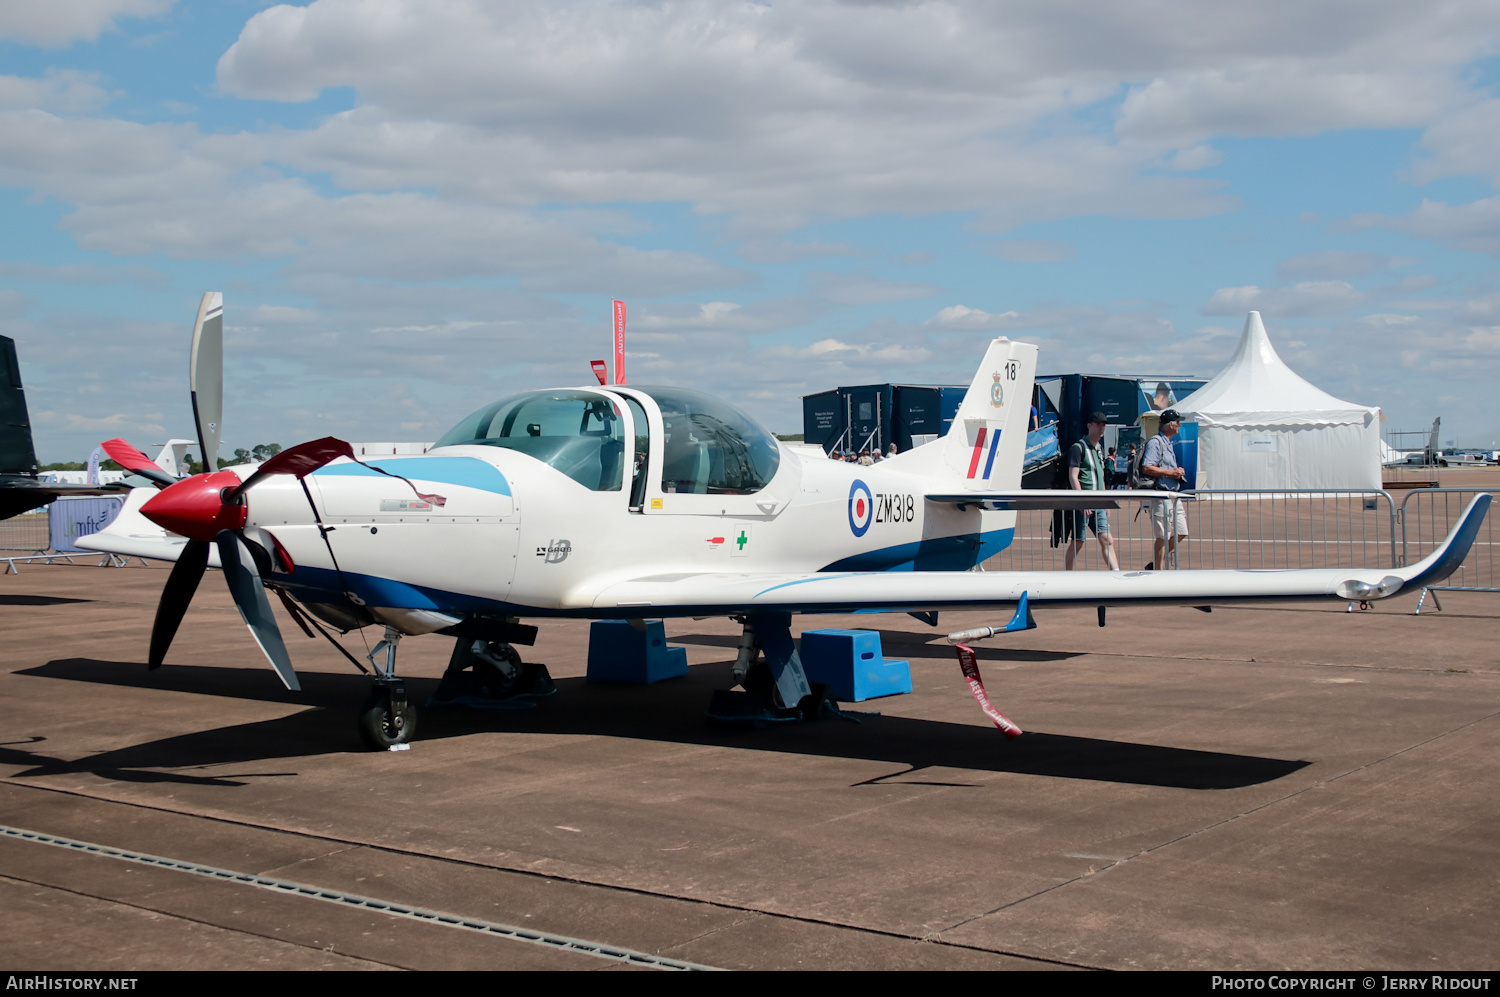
(703, 593)
(1049, 498)
(20, 494)
(133, 535)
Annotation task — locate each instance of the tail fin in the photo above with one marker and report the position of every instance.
(986, 445)
(173, 457)
(206, 376)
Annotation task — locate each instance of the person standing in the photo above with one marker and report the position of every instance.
(1086, 473)
(1168, 519)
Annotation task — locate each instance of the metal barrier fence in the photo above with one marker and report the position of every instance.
(1250, 528)
(1263, 528)
(26, 532)
(1426, 517)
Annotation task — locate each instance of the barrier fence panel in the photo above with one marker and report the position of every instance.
(1230, 529)
(26, 532)
(1427, 514)
(1033, 548)
(1290, 529)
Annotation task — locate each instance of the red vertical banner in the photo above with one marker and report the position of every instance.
(619, 342)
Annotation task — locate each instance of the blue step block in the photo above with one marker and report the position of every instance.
(849, 663)
(620, 653)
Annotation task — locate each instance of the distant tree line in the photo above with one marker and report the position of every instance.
(259, 452)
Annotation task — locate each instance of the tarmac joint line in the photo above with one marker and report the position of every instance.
(1092, 872)
(441, 918)
(8, 877)
(930, 937)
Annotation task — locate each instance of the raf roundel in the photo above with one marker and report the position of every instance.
(861, 508)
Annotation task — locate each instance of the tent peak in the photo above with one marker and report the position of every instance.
(1256, 345)
(1257, 387)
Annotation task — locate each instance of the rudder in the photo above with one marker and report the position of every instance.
(986, 445)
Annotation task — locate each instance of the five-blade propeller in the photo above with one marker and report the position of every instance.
(209, 508)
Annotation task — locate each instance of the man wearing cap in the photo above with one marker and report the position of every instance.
(1168, 519)
(1086, 473)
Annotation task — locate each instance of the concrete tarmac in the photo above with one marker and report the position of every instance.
(1283, 787)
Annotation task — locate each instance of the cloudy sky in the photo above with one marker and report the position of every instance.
(413, 208)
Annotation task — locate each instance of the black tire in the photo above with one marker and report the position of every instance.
(380, 726)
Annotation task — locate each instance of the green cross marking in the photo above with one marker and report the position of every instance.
(742, 539)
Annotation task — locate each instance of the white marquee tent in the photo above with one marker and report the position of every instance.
(1262, 426)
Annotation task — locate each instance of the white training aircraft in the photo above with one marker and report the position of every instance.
(626, 502)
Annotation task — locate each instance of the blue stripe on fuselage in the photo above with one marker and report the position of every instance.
(959, 553)
(469, 472)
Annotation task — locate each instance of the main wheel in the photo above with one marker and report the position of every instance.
(387, 719)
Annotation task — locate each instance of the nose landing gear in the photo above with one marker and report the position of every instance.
(388, 719)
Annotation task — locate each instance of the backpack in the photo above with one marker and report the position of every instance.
(1137, 477)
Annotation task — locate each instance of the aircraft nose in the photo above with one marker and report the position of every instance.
(195, 507)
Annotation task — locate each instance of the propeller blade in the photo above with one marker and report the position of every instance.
(206, 376)
(301, 460)
(255, 609)
(181, 584)
(135, 462)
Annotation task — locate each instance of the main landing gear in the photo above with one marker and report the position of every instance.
(388, 719)
(776, 690)
(490, 675)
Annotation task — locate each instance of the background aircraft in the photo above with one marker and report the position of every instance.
(21, 487)
(626, 502)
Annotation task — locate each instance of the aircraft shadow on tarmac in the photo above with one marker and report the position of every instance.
(669, 712)
(16, 599)
(905, 644)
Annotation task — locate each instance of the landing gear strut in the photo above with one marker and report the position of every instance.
(490, 675)
(388, 719)
(776, 689)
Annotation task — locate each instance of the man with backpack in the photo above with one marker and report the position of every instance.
(1086, 473)
(1159, 465)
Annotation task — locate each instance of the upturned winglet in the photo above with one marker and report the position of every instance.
(1451, 553)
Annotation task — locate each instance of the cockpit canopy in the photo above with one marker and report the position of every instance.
(709, 447)
(579, 433)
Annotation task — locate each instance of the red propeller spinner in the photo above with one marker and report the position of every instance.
(195, 507)
(200, 506)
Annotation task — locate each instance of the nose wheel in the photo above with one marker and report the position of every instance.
(388, 719)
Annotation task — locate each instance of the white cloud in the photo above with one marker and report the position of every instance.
(57, 23)
(1465, 142)
(1031, 250)
(63, 90)
(81, 273)
(1313, 297)
(774, 314)
(1333, 264)
(855, 289)
(963, 317)
(13, 303)
(851, 353)
(786, 251)
(1198, 157)
(1474, 227)
(1284, 96)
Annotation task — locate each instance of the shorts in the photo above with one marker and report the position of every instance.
(1097, 519)
(1160, 511)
